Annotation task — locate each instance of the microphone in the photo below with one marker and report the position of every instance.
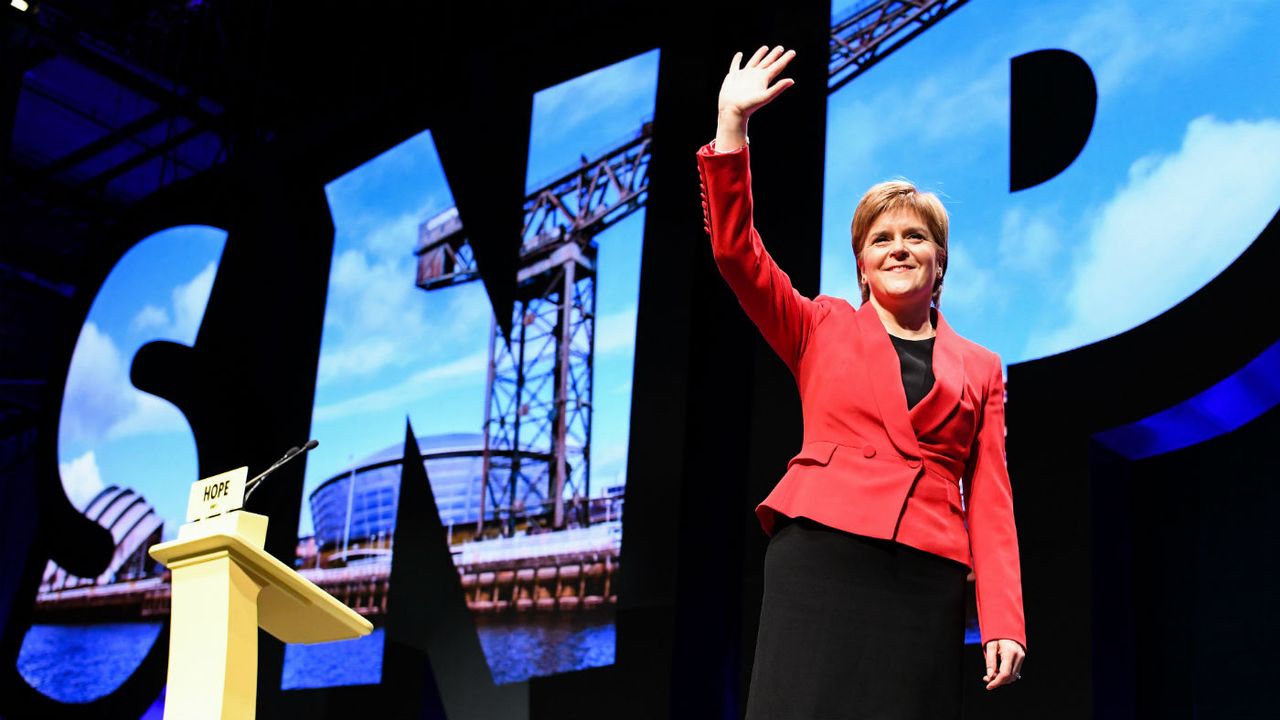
(293, 452)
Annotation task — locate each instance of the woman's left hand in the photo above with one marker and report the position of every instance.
(1004, 662)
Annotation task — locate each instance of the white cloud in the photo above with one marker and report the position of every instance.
(100, 403)
(938, 113)
(150, 414)
(967, 283)
(149, 317)
(93, 400)
(398, 236)
(608, 466)
(566, 106)
(189, 302)
(852, 147)
(951, 105)
(978, 277)
(470, 308)
(378, 318)
(616, 332)
(608, 461)
(357, 359)
(416, 387)
(1123, 41)
(1110, 38)
(181, 321)
(81, 479)
(1029, 241)
(1178, 222)
(610, 453)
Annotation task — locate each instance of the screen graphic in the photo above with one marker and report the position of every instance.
(531, 498)
(1177, 178)
(127, 460)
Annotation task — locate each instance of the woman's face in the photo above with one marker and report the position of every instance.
(900, 259)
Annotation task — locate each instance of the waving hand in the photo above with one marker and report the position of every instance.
(747, 88)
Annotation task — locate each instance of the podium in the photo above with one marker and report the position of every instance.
(224, 587)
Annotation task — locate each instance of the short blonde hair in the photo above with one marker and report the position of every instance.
(900, 195)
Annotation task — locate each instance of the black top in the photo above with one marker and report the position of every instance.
(916, 358)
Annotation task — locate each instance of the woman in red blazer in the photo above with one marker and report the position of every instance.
(871, 540)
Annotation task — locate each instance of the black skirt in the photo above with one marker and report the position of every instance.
(855, 627)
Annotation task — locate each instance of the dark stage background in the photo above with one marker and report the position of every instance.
(1142, 478)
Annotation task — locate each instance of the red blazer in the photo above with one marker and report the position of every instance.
(869, 465)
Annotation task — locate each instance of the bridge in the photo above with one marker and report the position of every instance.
(539, 388)
(549, 572)
(538, 406)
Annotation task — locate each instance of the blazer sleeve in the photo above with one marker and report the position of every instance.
(783, 315)
(993, 538)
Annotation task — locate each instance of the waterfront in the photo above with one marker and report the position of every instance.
(516, 647)
(81, 663)
(346, 662)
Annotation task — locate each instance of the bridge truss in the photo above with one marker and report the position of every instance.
(874, 30)
(538, 397)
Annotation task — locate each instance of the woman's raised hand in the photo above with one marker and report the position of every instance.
(747, 89)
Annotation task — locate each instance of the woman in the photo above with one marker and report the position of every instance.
(871, 542)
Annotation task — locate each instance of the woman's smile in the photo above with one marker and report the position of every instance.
(900, 258)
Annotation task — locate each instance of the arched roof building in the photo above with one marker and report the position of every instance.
(134, 526)
(354, 512)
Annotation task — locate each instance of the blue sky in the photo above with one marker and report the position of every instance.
(389, 350)
(392, 351)
(1181, 172)
(110, 433)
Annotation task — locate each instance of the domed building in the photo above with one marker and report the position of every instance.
(354, 512)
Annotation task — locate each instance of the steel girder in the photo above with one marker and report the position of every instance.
(537, 430)
(874, 30)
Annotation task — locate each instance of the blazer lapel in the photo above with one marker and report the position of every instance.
(884, 373)
(948, 383)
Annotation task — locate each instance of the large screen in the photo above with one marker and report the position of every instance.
(1179, 175)
(1176, 180)
(530, 496)
(524, 439)
(127, 459)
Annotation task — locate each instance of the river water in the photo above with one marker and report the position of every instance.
(80, 663)
(517, 648)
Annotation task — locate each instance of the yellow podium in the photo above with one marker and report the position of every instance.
(224, 587)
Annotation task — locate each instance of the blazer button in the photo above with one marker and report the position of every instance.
(869, 451)
(913, 463)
